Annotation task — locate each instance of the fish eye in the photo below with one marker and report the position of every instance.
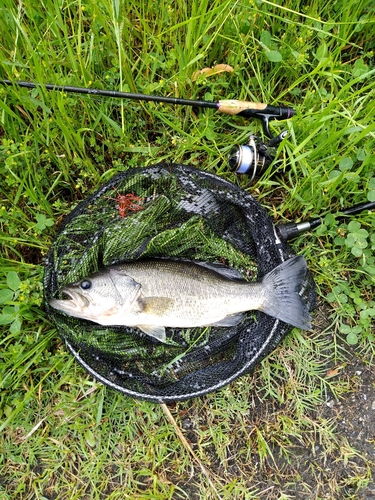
(85, 284)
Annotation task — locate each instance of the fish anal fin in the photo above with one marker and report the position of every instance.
(157, 332)
(230, 320)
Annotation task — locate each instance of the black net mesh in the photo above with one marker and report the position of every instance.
(173, 211)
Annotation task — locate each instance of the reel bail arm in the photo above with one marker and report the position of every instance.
(255, 158)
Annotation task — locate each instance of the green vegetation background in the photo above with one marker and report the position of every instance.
(62, 434)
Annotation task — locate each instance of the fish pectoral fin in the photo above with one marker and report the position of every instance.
(231, 320)
(158, 332)
(154, 306)
(157, 306)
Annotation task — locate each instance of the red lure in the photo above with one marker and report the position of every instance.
(127, 203)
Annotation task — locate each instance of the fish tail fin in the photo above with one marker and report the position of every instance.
(282, 288)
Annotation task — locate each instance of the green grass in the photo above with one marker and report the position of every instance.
(62, 434)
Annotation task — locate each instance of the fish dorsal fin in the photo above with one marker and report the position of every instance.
(127, 289)
(228, 272)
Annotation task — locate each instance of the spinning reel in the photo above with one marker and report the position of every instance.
(255, 158)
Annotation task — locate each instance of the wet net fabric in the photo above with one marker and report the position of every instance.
(172, 211)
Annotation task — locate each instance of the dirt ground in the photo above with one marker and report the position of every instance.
(343, 471)
(355, 418)
(350, 476)
(329, 475)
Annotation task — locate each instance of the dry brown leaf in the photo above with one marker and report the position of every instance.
(333, 372)
(207, 72)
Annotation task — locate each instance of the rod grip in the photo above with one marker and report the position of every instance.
(234, 107)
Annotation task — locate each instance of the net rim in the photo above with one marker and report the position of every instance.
(276, 330)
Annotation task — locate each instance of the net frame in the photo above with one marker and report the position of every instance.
(171, 372)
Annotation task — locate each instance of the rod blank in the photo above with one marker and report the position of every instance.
(232, 107)
(291, 230)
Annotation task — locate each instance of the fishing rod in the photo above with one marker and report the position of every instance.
(252, 159)
(291, 230)
(261, 111)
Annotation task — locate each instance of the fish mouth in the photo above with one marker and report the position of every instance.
(73, 301)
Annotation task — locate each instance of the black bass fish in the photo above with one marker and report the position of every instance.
(159, 293)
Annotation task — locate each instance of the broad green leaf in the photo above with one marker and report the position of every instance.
(90, 438)
(350, 240)
(352, 339)
(13, 280)
(274, 55)
(5, 295)
(15, 327)
(362, 233)
(43, 221)
(345, 329)
(360, 68)
(357, 251)
(339, 240)
(346, 164)
(361, 155)
(354, 226)
(329, 219)
(266, 38)
(6, 319)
